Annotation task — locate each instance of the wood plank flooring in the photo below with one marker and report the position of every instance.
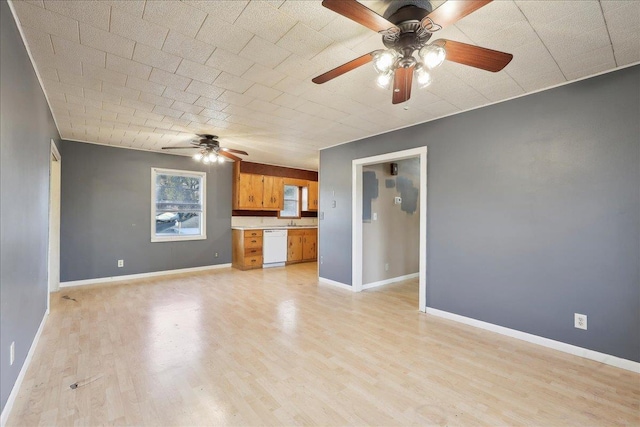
(275, 347)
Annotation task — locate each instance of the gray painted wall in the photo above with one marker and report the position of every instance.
(106, 213)
(26, 129)
(533, 211)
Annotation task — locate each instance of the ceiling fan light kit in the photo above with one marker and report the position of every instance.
(406, 28)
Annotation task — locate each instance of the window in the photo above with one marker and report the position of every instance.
(177, 205)
(291, 205)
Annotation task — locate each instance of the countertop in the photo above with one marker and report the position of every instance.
(271, 227)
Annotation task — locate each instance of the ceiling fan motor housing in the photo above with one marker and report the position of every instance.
(407, 15)
(396, 5)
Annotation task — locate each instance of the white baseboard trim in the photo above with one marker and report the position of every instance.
(336, 284)
(607, 359)
(25, 366)
(388, 281)
(139, 275)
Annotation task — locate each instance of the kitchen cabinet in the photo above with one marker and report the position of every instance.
(257, 192)
(302, 245)
(272, 193)
(247, 249)
(312, 187)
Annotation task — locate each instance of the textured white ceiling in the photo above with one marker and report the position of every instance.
(147, 74)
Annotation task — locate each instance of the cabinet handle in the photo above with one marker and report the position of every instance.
(253, 241)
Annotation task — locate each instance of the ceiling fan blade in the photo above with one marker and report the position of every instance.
(452, 11)
(402, 84)
(229, 156)
(361, 14)
(475, 56)
(231, 150)
(178, 148)
(344, 68)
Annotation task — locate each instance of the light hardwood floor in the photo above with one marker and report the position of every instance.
(274, 347)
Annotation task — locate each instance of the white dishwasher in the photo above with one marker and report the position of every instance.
(274, 248)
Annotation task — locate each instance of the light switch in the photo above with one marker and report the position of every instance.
(375, 216)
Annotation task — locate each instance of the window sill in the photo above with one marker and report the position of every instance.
(177, 238)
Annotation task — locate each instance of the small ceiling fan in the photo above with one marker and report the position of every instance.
(406, 27)
(210, 150)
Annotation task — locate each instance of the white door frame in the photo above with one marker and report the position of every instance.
(356, 226)
(53, 254)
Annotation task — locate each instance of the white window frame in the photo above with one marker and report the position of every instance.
(203, 198)
(298, 200)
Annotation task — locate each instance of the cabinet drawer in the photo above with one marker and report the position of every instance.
(252, 233)
(252, 252)
(253, 242)
(254, 261)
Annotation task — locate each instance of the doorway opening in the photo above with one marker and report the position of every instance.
(416, 202)
(55, 174)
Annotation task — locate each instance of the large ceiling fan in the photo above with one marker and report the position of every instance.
(209, 150)
(406, 27)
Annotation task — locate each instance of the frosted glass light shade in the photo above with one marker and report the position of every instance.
(384, 80)
(423, 76)
(432, 56)
(383, 60)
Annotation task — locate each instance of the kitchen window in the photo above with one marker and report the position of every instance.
(178, 205)
(291, 202)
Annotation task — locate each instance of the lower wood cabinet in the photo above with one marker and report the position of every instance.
(247, 249)
(302, 245)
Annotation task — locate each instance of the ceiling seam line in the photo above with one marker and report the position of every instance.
(604, 18)
(543, 43)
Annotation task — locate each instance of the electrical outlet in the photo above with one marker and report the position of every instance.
(321, 259)
(12, 352)
(120, 263)
(580, 321)
(386, 266)
(215, 255)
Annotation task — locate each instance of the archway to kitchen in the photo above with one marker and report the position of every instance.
(366, 184)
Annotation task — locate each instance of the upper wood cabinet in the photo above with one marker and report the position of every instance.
(257, 192)
(313, 195)
(248, 194)
(272, 196)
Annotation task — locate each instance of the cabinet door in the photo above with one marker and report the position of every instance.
(309, 244)
(294, 252)
(313, 195)
(249, 191)
(272, 195)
